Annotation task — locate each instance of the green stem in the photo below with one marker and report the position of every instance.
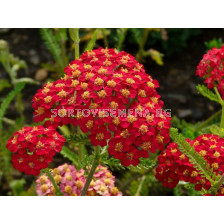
(222, 104)
(63, 52)
(57, 189)
(76, 42)
(142, 44)
(222, 118)
(219, 97)
(91, 173)
(135, 176)
(204, 123)
(140, 186)
(220, 182)
(105, 37)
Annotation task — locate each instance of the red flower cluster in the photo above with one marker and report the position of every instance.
(100, 80)
(33, 148)
(175, 166)
(71, 182)
(211, 69)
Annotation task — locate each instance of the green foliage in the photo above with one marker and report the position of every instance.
(74, 34)
(187, 129)
(111, 162)
(137, 34)
(217, 43)
(196, 159)
(185, 189)
(78, 139)
(17, 187)
(92, 41)
(6, 168)
(8, 99)
(217, 130)
(121, 35)
(67, 153)
(4, 84)
(53, 46)
(203, 90)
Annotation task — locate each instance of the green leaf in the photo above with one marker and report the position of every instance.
(195, 158)
(121, 34)
(8, 99)
(204, 91)
(217, 130)
(92, 41)
(67, 153)
(4, 84)
(53, 46)
(17, 186)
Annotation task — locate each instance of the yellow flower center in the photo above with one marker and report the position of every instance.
(74, 83)
(113, 105)
(130, 81)
(125, 92)
(114, 190)
(62, 94)
(143, 129)
(150, 84)
(44, 188)
(118, 147)
(99, 136)
(146, 145)
(84, 85)
(102, 94)
(98, 81)
(86, 95)
(47, 99)
(76, 73)
(111, 83)
(68, 189)
(142, 93)
(125, 133)
(40, 110)
(89, 124)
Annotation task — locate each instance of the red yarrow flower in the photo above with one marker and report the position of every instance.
(33, 148)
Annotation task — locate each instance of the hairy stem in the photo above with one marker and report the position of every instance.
(56, 187)
(91, 173)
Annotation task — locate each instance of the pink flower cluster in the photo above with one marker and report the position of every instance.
(211, 68)
(71, 182)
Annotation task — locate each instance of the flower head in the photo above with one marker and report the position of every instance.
(71, 182)
(111, 97)
(33, 148)
(175, 166)
(211, 69)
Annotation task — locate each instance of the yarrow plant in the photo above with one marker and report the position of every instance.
(108, 100)
(200, 161)
(71, 182)
(117, 107)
